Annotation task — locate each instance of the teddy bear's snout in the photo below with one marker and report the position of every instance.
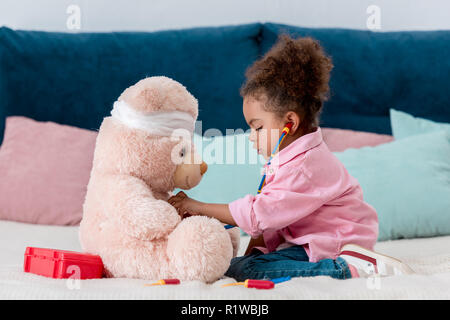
(203, 167)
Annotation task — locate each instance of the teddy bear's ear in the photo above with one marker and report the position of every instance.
(149, 93)
(150, 99)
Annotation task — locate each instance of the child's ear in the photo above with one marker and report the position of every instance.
(293, 117)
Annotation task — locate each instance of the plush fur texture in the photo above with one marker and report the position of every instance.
(126, 217)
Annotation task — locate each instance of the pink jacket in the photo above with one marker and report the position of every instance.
(308, 199)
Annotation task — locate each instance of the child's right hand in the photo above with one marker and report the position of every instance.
(185, 206)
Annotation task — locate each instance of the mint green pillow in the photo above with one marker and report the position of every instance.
(407, 181)
(404, 125)
(234, 168)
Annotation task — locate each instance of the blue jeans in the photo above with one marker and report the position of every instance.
(292, 261)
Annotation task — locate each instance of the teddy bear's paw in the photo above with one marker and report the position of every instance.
(150, 219)
(199, 249)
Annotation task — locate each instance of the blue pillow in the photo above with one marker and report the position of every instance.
(404, 125)
(230, 175)
(55, 71)
(408, 69)
(407, 181)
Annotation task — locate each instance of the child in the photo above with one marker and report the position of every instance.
(310, 218)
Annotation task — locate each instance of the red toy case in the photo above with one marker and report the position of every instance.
(62, 264)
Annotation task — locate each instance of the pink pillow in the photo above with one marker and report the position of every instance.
(341, 139)
(44, 169)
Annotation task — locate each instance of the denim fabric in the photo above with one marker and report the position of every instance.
(292, 261)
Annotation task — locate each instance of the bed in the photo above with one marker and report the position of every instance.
(379, 71)
(429, 257)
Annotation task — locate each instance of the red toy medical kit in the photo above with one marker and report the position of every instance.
(62, 264)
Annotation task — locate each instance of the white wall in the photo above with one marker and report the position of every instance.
(148, 15)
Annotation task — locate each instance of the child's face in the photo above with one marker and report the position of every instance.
(266, 127)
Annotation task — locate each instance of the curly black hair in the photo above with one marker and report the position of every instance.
(292, 76)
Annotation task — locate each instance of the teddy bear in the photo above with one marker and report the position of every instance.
(143, 152)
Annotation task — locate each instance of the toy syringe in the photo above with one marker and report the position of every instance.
(251, 283)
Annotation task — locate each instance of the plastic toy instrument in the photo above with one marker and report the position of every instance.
(284, 133)
(163, 282)
(281, 279)
(250, 283)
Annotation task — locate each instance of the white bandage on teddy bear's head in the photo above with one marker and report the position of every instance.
(161, 123)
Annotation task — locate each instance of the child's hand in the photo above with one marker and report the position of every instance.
(185, 206)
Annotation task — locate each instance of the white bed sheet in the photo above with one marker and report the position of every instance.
(429, 257)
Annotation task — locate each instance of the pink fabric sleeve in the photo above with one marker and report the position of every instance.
(283, 201)
(244, 216)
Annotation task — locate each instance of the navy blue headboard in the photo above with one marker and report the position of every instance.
(74, 78)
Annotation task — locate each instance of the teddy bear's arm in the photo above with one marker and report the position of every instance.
(137, 211)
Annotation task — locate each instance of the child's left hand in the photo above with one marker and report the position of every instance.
(185, 206)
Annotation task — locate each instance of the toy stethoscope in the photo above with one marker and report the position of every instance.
(284, 133)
